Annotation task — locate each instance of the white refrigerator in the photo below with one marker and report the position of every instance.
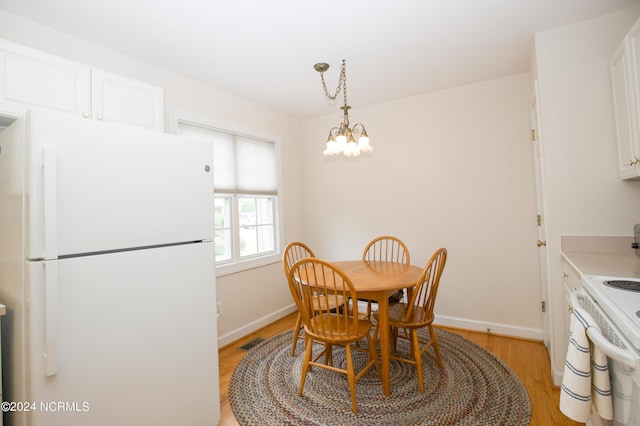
(107, 273)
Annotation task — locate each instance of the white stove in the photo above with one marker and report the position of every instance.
(614, 302)
(619, 298)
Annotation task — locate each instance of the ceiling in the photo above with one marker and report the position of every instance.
(264, 50)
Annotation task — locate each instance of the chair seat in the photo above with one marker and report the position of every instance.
(398, 314)
(323, 304)
(337, 330)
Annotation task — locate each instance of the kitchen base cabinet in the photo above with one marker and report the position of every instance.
(571, 283)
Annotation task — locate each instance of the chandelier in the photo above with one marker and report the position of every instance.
(342, 139)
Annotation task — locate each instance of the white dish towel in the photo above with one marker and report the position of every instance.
(586, 373)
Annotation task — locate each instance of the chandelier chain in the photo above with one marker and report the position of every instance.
(342, 84)
(344, 138)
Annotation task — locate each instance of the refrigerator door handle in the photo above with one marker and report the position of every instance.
(52, 341)
(50, 202)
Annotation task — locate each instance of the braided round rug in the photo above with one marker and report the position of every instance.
(473, 388)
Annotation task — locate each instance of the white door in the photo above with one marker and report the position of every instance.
(123, 100)
(543, 254)
(106, 187)
(137, 340)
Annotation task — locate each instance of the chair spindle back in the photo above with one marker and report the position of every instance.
(423, 300)
(314, 280)
(387, 248)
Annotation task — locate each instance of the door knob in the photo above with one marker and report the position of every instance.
(542, 243)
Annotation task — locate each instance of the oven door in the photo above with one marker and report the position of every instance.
(623, 363)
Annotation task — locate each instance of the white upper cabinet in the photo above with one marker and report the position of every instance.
(117, 98)
(625, 77)
(33, 79)
(30, 78)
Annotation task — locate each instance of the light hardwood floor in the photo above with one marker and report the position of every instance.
(528, 359)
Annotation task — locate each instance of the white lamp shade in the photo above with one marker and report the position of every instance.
(331, 148)
(351, 150)
(363, 144)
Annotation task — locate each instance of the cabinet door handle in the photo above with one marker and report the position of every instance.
(541, 243)
(100, 117)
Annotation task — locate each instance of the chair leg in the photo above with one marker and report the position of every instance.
(417, 357)
(305, 364)
(372, 352)
(296, 331)
(352, 379)
(376, 329)
(394, 340)
(328, 354)
(436, 347)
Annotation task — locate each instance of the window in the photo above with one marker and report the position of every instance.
(245, 199)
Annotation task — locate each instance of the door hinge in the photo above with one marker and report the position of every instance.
(544, 306)
(534, 135)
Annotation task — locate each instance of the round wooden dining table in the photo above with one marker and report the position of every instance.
(377, 280)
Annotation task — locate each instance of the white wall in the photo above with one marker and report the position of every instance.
(249, 299)
(584, 194)
(452, 168)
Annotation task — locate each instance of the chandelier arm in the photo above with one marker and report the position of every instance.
(355, 130)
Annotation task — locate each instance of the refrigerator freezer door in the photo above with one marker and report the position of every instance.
(137, 340)
(116, 187)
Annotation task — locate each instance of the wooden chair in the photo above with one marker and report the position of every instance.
(390, 249)
(294, 252)
(406, 318)
(313, 278)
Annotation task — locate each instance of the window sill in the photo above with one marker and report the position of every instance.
(245, 265)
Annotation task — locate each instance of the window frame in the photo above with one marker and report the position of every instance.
(236, 264)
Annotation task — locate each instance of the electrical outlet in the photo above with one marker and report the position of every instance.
(218, 309)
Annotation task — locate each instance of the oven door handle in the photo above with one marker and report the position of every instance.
(594, 334)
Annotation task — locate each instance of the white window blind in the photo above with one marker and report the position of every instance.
(241, 164)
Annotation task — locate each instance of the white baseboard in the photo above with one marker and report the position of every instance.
(491, 327)
(496, 328)
(239, 333)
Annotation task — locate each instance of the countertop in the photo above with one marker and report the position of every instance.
(611, 256)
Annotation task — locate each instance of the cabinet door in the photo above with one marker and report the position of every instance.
(120, 99)
(32, 79)
(622, 102)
